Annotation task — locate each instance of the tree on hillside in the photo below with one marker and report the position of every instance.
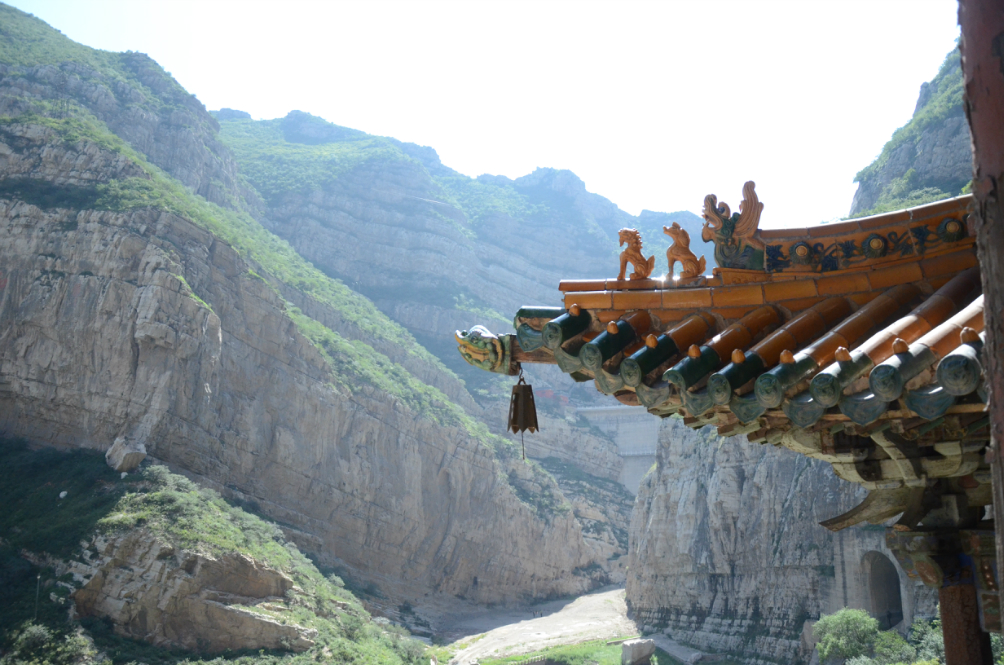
(845, 634)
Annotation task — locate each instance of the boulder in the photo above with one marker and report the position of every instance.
(189, 600)
(637, 651)
(125, 455)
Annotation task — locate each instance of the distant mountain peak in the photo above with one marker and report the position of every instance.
(302, 127)
(927, 159)
(231, 114)
(562, 181)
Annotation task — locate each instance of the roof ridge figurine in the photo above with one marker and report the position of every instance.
(680, 251)
(642, 267)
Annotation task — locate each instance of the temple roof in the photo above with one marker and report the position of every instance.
(857, 343)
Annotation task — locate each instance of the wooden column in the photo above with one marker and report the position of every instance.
(982, 47)
(965, 641)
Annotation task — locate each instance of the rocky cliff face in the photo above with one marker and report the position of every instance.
(929, 158)
(128, 315)
(603, 507)
(105, 339)
(727, 553)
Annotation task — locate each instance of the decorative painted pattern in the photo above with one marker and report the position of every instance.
(843, 253)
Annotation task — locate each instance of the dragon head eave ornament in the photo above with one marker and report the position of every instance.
(736, 236)
(484, 349)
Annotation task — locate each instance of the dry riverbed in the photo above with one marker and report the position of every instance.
(598, 615)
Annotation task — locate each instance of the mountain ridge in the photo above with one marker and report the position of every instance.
(428, 245)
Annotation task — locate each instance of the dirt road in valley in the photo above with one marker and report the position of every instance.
(598, 615)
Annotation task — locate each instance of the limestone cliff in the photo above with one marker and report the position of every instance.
(603, 507)
(727, 554)
(929, 158)
(134, 310)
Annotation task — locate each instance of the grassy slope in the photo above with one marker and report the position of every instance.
(906, 191)
(597, 652)
(29, 42)
(275, 167)
(278, 167)
(35, 519)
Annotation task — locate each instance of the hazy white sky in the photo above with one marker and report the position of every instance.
(652, 104)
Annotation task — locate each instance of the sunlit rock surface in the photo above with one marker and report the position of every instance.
(727, 554)
(153, 592)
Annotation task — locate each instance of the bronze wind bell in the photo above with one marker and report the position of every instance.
(522, 410)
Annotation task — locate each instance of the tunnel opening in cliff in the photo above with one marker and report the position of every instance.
(883, 589)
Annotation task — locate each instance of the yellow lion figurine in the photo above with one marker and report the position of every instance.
(680, 251)
(642, 267)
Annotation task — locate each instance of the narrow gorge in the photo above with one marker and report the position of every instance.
(138, 314)
(148, 310)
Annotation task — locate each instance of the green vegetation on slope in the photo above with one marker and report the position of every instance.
(36, 520)
(276, 167)
(277, 160)
(595, 652)
(944, 101)
(905, 192)
(482, 200)
(27, 41)
(353, 361)
(302, 153)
